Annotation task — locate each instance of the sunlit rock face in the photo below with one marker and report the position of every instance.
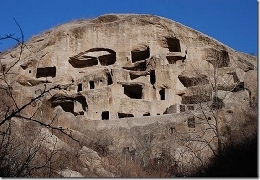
(129, 64)
(117, 69)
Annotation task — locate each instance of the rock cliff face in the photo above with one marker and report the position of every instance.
(134, 82)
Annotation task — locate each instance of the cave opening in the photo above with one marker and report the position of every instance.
(68, 106)
(105, 115)
(152, 77)
(91, 85)
(174, 59)
(171, 130)
(46, 72)
(133, 91)
(107, 59)
(162, 94)
(146, 114)
(92, 56)
(83, 102)
(79, 87)
(75, 105)
(124, 115)
(109, 79)
(138, 55)
(173, 44)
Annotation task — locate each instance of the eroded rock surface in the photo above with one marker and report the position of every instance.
(135, 81)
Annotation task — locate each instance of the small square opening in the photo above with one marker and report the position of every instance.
(105, 115)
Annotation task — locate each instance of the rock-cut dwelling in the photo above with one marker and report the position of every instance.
(119, 66)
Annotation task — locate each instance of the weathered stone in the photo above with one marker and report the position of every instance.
(69, 173)
(92, 161)
(155, 56)
(136, 83)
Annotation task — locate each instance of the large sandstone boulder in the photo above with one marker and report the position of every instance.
(140, 86)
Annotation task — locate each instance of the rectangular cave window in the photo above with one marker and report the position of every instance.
(91, 85)
(109, 79)
(182, 108)
(171, 130)
(79, 87)
(81, 61)
(174, 59)
(191, 122)
(152, 77)
(68, 106)
(107, 59)
(162, 94)
(138, 55)
(190, 107)
(46, 72)
(124, 115)
(173, 44)
(133, 91)
(105, 115)
(146, 114)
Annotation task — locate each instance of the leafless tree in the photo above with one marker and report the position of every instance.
(21, 157)
(211, 134)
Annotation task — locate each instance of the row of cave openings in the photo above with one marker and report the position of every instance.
(44, 71)
(135, 91)
(173, 45)
(105, 115)
(106, 57)
(95, 83)
(178, 109)
(69, 106)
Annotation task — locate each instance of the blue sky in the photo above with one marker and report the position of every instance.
(232, 22)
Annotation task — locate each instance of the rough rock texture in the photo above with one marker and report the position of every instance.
(152, 72)
(92, 161)
(136, 64)
(69, 173)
